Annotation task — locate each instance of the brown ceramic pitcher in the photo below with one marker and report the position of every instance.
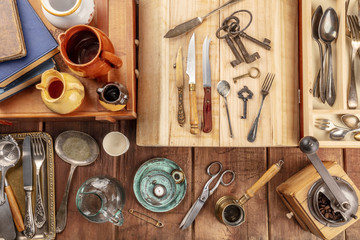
(87, 51)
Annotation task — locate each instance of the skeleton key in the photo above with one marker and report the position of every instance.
(249, 95)
(265, 44)
(228, 40)
(248, 58)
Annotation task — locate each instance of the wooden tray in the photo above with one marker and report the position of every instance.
(157, 106)
(15, 178)
(313, 108)
(117, 19)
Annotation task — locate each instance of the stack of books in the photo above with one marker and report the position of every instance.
(27, 47)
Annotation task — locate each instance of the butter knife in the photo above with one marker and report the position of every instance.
(190, 71)
(29, 231)
(207, 115)
(190, 24)
(180, 87)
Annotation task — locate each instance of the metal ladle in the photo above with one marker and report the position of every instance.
(328, 32)
(82, 159)
(223, 88)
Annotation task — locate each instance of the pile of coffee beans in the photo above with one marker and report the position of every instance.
(326, 209)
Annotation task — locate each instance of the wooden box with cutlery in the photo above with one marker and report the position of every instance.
(316, 114)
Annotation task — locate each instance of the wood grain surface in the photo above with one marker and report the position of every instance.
(265, 212)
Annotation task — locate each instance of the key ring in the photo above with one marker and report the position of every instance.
(225, 27)
(250, 21)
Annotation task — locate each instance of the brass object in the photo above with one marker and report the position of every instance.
(152, 221)
(180, 87)
(230, 211)
(178, 176)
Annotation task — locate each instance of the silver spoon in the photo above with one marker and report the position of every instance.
(223, 88)
(328, 32)
(339, 134)
(319, 86)
(350, 121)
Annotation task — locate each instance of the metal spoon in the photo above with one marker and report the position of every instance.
(320, 82)
(328, 32)
(339, 134)
(223, 88)
(350, 120)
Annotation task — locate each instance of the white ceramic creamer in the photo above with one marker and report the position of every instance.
(67, 13)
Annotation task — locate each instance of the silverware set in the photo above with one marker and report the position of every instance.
(325, 29)
(336, 132)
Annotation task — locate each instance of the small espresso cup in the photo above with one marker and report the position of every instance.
(87, 51)
(113, 96)
(115, 143)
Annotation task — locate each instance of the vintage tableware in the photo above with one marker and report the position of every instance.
(67, 13)
(207, 192)
(180, 87)
(159, 185)
(101, 199)
(328, 32)
(223, 88)
(7, 228)
(115, 143)
(113, 96)
(355, 45)
(264, 92)
(350, 120)
(326, 125)
(230, 210)
(9, 156)
(87, 51)
(207, 112)
(78, 149)
(61, 92)
(339, 134)
(319, 86)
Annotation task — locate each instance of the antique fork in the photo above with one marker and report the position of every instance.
(326, 125)
(355, 45)
(264, 92)
(39, 158)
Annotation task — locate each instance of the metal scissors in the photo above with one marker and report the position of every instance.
(206, 193)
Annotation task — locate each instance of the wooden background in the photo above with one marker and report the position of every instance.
(265, 217)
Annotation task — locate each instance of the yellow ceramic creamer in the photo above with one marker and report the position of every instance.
(61, 92)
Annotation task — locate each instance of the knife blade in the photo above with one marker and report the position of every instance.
(207, 115)
(7, 229)
(180, 87)
(190, 71)
(190, 24)
(29, 231)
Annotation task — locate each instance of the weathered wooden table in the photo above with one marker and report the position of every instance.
(266, 214)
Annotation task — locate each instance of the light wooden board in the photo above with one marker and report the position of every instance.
(314, 108)
(157, 106)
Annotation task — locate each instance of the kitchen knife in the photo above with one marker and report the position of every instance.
(7, 229)
(14, 207)
(29, 231)
(180, 87)
(190, 71)
(188, 25)
(207, 115)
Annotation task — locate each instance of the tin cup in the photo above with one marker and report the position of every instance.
(113, 96)
(115, 143)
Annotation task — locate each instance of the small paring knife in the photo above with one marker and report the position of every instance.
(207, 115)
(180, 87)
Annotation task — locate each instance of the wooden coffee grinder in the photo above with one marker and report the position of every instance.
(321, 197)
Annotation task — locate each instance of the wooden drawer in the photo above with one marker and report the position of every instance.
(117, 19)
(157, 103)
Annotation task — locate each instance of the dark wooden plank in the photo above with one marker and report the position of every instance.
(77, 226)
(133, 227)
(352, 168)
(280, 226)
(249, 164)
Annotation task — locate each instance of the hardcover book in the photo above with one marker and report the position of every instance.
(11, 38)
(40, 45)
(26, 80)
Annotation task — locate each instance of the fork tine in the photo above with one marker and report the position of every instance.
(351, 26)
(320, 127)
(41, 146)
(264, 83)
(269, 81)
(34, 146)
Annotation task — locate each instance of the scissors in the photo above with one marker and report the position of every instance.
(206, 193)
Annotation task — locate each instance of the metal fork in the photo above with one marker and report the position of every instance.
(355, 45)
(326, 125)
(264, 92)
(39, 158)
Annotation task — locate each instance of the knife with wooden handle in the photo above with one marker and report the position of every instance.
(14, 207)
(180, 87)
(190, 70)
(207, 115)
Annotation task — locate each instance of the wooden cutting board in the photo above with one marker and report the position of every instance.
(157, 102)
